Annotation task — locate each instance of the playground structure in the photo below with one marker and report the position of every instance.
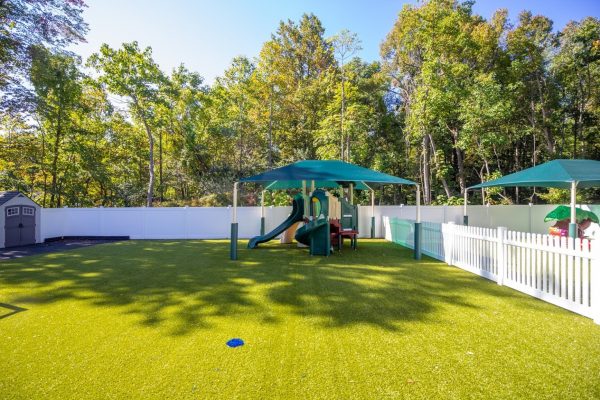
(326, 220)
(561, 215)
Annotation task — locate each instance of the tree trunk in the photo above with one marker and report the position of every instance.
(437, 167)
(517, 167)
(548, 136)
(348, 148)
(271, 130)
(140, 113)
(150, 193)
(426, 171)
(160, 165)
(43, 164)
(342, 115)
(56, 152)
(578, 128)
(461, 171)
(459, 161)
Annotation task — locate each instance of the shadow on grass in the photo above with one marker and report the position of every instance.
(12, 310)
(187, 284)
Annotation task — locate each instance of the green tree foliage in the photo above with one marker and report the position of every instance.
(132, 73)
(456, 100)
(57, 82)
(298, 59)
(345, 44)
(26, 24)
(577, 67)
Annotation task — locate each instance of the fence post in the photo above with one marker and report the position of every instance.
(530, 218)
(418, 230)
(501, 254)
(449, 242)
(186, 225)
(144, 217)
(595, 281)
(101, 224)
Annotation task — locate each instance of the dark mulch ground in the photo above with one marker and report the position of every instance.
(49, 247)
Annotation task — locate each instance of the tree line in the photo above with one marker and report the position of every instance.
(455, 100)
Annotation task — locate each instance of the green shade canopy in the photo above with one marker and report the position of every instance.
(282, 185)
(563, 212)
(328, 172)
(555, 174)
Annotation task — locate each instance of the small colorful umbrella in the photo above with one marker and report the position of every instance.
(564, 212)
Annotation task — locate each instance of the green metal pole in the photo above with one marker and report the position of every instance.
(417, 249)
(372, 214)
(233, 241)
(372, 227)
(466, 201)
(418, 228)
(262, 213)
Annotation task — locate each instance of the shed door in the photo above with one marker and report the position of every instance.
(27, 225)
(12, 231)
(19, 225)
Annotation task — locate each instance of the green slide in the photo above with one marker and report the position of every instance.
(316, 235)
(296, 216)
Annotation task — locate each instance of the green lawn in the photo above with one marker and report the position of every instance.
(149, 319)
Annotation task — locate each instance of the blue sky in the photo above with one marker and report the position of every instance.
(206, 35)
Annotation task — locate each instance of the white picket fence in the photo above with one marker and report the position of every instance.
(561, 271)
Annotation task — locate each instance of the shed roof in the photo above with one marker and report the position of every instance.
(11, 194)
(6, 196)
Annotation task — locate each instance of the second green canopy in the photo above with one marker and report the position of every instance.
(555, 174)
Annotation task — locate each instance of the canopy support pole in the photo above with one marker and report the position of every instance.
(262, 213)
(465, 202)
(573, 224)
(372, 210)
(234, 226)
(306, 199)
(351, 194)
(417, 246)
(372, 214)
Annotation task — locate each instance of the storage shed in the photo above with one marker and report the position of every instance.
(19, 220)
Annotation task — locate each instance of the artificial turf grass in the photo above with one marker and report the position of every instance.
(149, 319)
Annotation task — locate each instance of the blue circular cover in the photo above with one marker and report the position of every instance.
(235, 342)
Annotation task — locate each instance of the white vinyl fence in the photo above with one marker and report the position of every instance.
(214, 222)
(561, 271)
(157, 222)
(520, 218)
